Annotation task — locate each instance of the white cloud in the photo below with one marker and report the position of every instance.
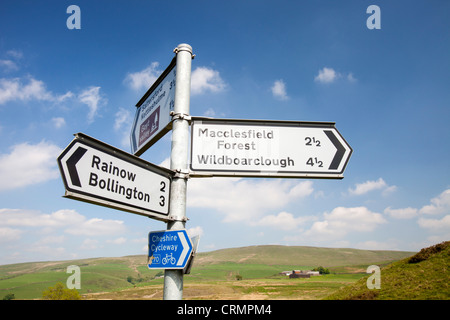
(435, 225)
(365, 187)
(50, 239)
(53, 235)
(439, 205)
(14, 89)
(120, 240)
(9, 234)
(16, 54)
(30, 218)
(204, 79)
(8, 65)
(48, 252)
(245, 200)
(97, 227)
(71, 221)
(300, 189)
(143, 79)
(195, 231)
(403, 213)
(122, 124)
(279, 90)
(351, 78)
(28, 164)
(31, 89)
(58, 122)
(329, 75)
(209, 112)
(123, 118)
(89, 244)
(283, 221)
(343, 220)
(92, 98)
(326, 75)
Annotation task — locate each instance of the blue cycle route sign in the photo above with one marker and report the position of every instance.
(168, 249)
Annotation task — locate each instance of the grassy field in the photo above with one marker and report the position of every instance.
(273, 288)
(213, 275)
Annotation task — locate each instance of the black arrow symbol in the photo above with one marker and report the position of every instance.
(340, 150)
(71, 163)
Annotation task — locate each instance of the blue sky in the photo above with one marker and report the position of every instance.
(386, 89)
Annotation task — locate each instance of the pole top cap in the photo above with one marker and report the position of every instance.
(183, 47)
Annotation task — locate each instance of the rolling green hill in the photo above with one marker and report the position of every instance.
(424, 276)
(299, 255)
(28, 280)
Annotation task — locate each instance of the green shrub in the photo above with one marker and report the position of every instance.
(9, 296)
(58, 292)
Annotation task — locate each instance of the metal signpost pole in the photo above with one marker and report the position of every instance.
(173, 279)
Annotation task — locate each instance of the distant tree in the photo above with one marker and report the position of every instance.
(130, 279)
(238, 277)
(58, 292)
(322, 270)
(9, 296)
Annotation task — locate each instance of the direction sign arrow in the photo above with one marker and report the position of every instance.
(71, 165)
(168, 249)
(267, 148)
(340, 150)
(153, 119)
(98, 173)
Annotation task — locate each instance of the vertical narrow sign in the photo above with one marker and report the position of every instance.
(153, 120)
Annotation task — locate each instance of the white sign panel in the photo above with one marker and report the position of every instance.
(153, 119)
(267, 149)
(95, 172)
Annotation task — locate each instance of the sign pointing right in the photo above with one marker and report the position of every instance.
(267, 148)
(340, 150)
(169, 249)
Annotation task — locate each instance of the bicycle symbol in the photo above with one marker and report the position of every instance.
(168, 258)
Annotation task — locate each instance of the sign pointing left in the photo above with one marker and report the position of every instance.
(98, 173)
(71, 165)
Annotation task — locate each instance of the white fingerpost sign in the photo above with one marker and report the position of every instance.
(95, 172)
(267, 148)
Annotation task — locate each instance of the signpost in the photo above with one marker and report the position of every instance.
(95, 172)
(153, 120)
(267, 148)
(168, 249)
